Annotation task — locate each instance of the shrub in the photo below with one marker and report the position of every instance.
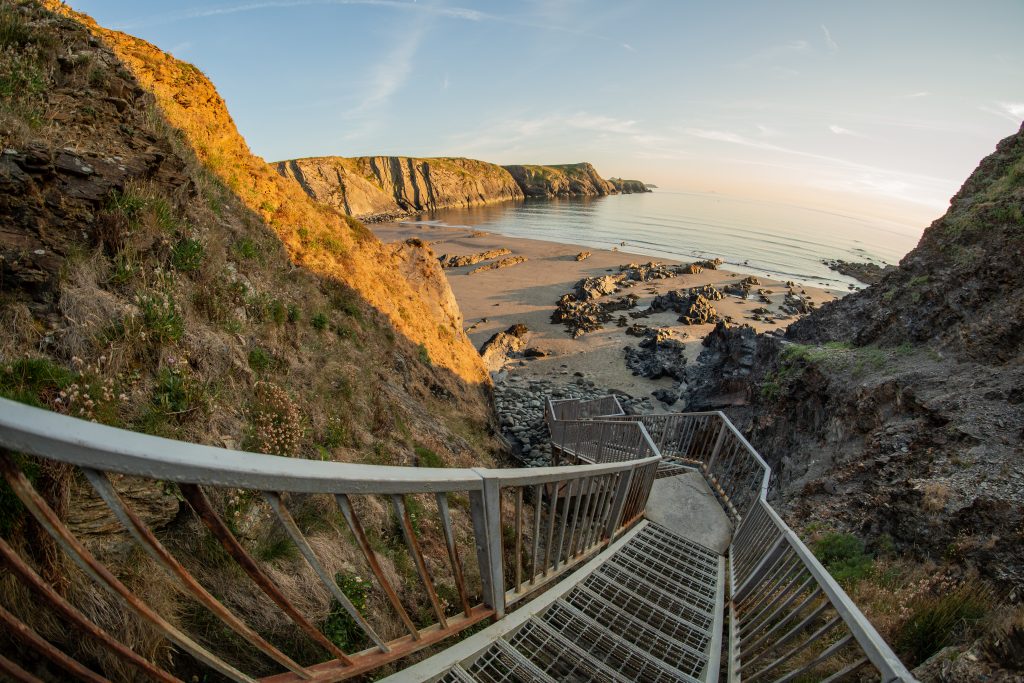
(423, 354)
(175, 392)
(427, 458)
(937, 620)
(260, 359)
(339, 626)
(844, 557)
(187, 255)
(278, 312)
(245, 248)
(275, 426)
(294, 315)
(319, 322)
(160, 316)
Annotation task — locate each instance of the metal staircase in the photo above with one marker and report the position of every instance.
(647, 553)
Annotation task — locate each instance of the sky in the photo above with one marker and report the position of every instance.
(885, 107)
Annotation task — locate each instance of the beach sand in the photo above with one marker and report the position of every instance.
(528, 293)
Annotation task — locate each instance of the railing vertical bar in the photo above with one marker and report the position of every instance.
(552, 516)
(356, 527)
(49, 520)
(144, 537)
(453, 551)
(75, 617)
(537, 507)
(201, 504)
(16, 672)
(519, 538)
(495, 542)
(15, 627)
(585, 483)
(565, 521)
(292, 529)
(402, 513)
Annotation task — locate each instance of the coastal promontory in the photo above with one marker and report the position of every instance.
(377, 188)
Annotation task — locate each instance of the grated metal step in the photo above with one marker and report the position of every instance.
(650, 612)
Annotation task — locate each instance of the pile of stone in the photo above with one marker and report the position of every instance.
(453, 261)
(743, 287)
(794, 304)
(694, 305)
(583, 256)
(520, 402)
(659, 354)
(582, 316)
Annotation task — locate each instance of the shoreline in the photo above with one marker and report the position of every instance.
(527, 293)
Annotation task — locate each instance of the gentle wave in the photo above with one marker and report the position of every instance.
(761, 238)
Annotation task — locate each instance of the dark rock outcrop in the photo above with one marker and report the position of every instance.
(568, 180)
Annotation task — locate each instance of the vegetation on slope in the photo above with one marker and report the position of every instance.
(158, 277)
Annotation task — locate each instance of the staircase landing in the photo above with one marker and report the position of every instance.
(684, 505)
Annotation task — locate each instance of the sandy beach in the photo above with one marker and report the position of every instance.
(527, 293)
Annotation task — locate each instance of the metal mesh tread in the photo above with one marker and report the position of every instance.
(647, 613)
(502, 663)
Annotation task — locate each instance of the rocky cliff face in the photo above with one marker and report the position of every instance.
(157, 276)
(897, 413)
(375, 187)
(381, 188)
(569, 180)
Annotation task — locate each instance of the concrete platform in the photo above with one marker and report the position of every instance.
(685, 505)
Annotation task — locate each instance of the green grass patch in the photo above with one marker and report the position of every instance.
(423, 355)
(175, 392)
(938, 620)
(319, 322)
(34, 381)
(844, 557)
(161, 317)
(187, 255)
(427, 458)
(339, 626)
(246, 248)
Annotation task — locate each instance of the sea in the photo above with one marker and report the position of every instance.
(774, 239)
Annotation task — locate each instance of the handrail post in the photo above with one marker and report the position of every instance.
(492, 568)
(718, 442)
(619, 503)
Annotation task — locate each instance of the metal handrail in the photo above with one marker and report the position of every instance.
(560, 517)
(788, 616)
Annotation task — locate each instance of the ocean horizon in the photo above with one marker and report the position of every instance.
(757, 237)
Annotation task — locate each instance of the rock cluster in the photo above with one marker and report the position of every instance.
(743, 287)
(520, 402)
(583, 256)
(503, 263)
(580, 317)
(868, 273)
(658, 354)
(497, 350)
(453, 261)
(694, 305)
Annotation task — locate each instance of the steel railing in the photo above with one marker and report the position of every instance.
(494, 536)
(788, 618)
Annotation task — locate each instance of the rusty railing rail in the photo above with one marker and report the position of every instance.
(497, 537)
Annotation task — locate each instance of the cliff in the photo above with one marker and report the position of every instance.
(896, 414)
(157, 276)
(569, 180)
(374, 187)
(380, 188)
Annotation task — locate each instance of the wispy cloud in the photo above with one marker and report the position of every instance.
(839, 130)
(390, 75)
(221, 10)
(449, 12)
(1014, 111)
(774, 52)
(914, 95)
(832, 45)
